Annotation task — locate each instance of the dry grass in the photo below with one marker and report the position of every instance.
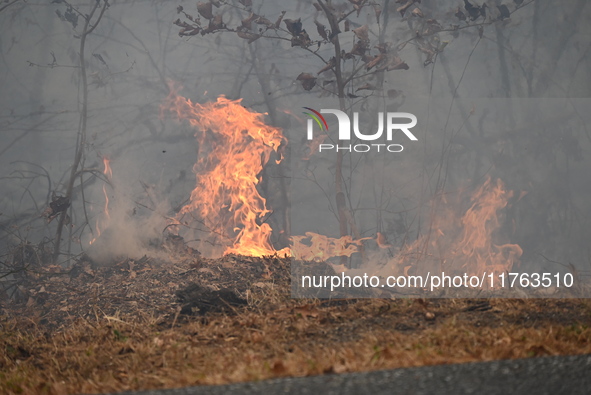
(105, 346)
(116, 354)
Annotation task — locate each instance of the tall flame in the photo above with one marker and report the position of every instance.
(466, 244)
(479, 223)
(99, 226)
(234, 144)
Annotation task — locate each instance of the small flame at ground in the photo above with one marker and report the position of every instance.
(315, 247)
(99, 226)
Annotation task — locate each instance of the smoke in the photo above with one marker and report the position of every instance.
(537, 147)
(127, 228)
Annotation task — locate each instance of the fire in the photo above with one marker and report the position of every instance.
(479, 223)
(234, 146)
(108, 172)
(466, 244)
(455, 244)
(315, 247)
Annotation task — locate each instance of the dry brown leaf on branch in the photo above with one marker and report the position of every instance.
(366, 87)
(261, 20)
(362, 33)
(432, 27)
(294, 26)
(372, 62)
(358, 9)
(247, 22)
(56, 207)
(395, 63)
(205, 9)
(402, 9)
(251, 37)
(216, 23)
(460, 15)
(278, 21)
(302, 40)
(504, 12)
(383, 47)
(430, 56)
(359, 48)
(358, 5)
(378, 10)
(475, 11)
(321, 30)
(417, 12)
(329, 66)
(180, 23)
(308, 80)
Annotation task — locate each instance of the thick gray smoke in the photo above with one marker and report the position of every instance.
(509, 102)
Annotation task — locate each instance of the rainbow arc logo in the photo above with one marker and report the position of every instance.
(316, 116)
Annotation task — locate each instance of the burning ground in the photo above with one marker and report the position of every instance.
(188, 320)
(175, 317)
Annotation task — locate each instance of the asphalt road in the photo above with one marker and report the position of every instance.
(539, 376)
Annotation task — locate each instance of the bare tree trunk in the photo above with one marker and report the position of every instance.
(340, 195)
(81, 138)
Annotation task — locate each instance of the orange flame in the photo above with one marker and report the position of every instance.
(315, 247)
(234, 144)
(108, 172)
(479, 223)
(466, 244)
